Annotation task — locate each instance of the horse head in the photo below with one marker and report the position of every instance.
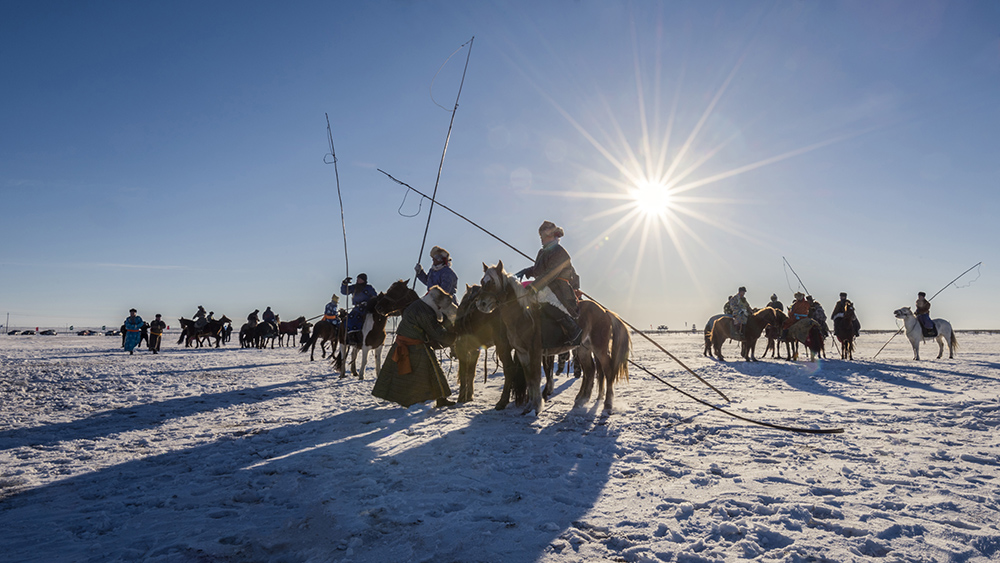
(903, 313)
(395, 299)
(225, 320)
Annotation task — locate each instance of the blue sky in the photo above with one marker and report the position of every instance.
(168, 155)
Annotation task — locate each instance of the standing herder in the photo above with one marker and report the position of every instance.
(133, 326)
(441, 273)
(362, 295)
(412, 373)
(553, 269)
(156, 333)
(740, 308)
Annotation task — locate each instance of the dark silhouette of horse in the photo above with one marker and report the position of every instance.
(478, 330)
(212, 329)
(806, 331)
(843, 329)
(722, 329)
(324, 331)
(289, 330)
(605, 338)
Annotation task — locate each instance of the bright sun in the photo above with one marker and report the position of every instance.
(651, 199)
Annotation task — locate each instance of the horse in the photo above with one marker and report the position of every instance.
(708, 334)
(914, 332)
(722, 329)
(289, 329)
(263, 332)
(324, 331)
(477, 330)
(372, 335)
(773, 335)
(808, 332)
(843, 329)
(605, 338)
(212, 329)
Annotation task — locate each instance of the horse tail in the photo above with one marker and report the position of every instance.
(518, 384)
(954, 340)
(310, 343)
(621, 349)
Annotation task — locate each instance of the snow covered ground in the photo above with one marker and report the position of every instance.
(260, 455)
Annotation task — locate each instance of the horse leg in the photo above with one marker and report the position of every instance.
(531, 362)
(586, 362)
(467, 360)
(547, 367)
(940, 341)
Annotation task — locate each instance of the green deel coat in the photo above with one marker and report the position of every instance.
(426, 381)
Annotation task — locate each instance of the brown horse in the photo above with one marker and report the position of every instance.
(708, 334)
(477, 330)
(808, 332)
(289, 330)
(722, 330)
(211, 329)
(605, 338)
(325, 331)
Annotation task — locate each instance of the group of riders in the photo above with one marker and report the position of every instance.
(804, 306)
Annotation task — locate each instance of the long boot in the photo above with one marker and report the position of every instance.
(573, 332)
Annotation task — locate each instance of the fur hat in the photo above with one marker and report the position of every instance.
(132, 311)
(743, 289)
(158, 315)
(363, 277)
(335, 298)
(800, 295)
(437, 250)
(774, 297)
(843, 294)
(550, 228)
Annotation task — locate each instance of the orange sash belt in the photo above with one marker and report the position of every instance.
(401, 355)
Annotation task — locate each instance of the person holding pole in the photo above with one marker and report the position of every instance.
(441, 273)
(554, 270)
(361, 294)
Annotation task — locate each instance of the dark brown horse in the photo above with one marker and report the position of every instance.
(325, 331)
(289, 330)
(211, 329)
(722, 329)
(844, 331)
(605, 338)
(479, 331)
(807, 332)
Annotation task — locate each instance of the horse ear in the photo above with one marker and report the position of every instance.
(500, 266)
(485, 267)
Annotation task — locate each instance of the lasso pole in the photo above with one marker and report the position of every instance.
(443, 153)
(505, 243)
(343, 221)
(932, 297)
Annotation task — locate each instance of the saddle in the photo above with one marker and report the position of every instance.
(929, 332)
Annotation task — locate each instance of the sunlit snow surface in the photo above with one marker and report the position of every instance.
(262, 455)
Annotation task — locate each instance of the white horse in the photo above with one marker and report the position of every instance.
(914, 332)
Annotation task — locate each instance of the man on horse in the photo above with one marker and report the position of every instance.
(798, 311)
(841, 309)
(441, 273)
(331, 313)
(199, 318)
(252, 318)
(923, 314)
(740, 310)
(270, 318)
(554, 270)
(361, 295)
(775, 304)
(817, 314)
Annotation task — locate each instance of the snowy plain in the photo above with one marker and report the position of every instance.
(226, 455)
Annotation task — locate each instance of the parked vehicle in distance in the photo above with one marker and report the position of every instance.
(113, 333)
(48, 332)
(27, 332)
(86, 332)
(14, 333)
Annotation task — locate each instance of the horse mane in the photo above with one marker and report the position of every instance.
(509, 281)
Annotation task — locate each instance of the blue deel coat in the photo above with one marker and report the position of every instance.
(445, 277)
(134, 328)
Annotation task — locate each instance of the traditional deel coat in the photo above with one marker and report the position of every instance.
(442, 276)
(798, 311)
(133, 328)
(156, 334)
(424, 380)
(331, 313)
(554, 270)
(740, 307)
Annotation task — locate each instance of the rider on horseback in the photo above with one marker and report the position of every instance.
(361, 294)
(817, 314)
(775, 304)
(199, 318)
(441, 273)
(331, 313)
(798, 311)
(923, 314)
(270, 318)
(553, 269)
(252, 318)
(740, 309)
(841, 309)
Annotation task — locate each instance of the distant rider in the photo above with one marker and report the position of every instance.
(741, 309)
(362, 295)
